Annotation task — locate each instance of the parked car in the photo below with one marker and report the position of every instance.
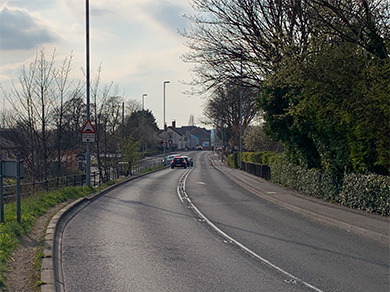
(167, 160)
(189, 160)
(178, 162)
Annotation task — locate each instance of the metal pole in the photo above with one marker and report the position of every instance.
(143, 118)
(241, 113)
(165, 134)
(240, 127)
(18, 199)
(123, 119)
(88, 162)
(1, 190)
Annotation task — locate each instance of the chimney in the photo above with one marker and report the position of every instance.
(174, 124)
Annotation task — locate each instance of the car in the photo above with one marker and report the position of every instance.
(199, 148)
(188, 160)
(168, 159)
(178, 162)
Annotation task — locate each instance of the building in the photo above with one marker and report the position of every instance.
(187, 137)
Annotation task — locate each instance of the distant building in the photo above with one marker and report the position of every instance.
(10, 143)
(187, 137)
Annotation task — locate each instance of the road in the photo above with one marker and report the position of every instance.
(213, 235)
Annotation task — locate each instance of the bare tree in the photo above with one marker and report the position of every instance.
(362, 22)
(65, 90)
(33, 105)
(223, 108)
(191, 121)
(250, 38)
(107, 117)
(234, 40)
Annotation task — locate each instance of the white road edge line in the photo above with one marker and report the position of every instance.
(182, 182)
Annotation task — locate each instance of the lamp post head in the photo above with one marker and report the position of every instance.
(165, 82)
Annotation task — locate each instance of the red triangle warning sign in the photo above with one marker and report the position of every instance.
(88, 128)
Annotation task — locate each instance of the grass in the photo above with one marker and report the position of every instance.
(31, 208)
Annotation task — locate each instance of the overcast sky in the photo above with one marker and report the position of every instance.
(136, 41)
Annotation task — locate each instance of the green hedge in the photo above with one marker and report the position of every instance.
(307, 181)
(369, 192)
(261, 157)
(233, 160)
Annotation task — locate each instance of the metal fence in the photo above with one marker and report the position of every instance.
(29, 188)
(260, 170)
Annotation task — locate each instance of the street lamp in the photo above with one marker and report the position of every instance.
(165, 134)
(143, 117)
(88, 158)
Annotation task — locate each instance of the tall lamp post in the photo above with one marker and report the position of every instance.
(88, 158)
(165, 134)
(143, 117)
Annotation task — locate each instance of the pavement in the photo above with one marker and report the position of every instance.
(369, 225)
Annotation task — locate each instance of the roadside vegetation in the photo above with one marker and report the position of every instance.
(31, 208)
(369, 192)
(316, 76)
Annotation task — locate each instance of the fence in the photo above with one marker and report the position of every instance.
(29, 188)
(260, 170)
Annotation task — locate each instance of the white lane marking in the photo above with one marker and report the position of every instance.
(182, 184)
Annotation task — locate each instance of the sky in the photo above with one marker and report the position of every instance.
(136, 42)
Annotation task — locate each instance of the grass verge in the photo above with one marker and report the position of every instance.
(31, 208)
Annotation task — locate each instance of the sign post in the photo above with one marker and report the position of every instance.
(18, 189)
(11, 168)
(88, 132)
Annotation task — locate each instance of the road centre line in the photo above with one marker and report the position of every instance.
(181, 192)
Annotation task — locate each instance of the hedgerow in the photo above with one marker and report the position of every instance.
(368, 192)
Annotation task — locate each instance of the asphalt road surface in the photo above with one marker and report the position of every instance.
(196, 230)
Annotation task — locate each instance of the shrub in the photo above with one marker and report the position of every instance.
(369, 192)
(233, 160)
(260, 157)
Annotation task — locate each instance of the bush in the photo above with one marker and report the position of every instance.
(233, 160)
(370, 192)
(260, 157)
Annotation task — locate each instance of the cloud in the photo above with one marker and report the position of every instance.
(21, 31)
(167, 14)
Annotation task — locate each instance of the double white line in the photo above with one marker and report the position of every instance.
(181, 192)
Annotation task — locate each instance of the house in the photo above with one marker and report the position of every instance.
(187, 137)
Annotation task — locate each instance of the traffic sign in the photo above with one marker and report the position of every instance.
(88, 128)
(88, 137)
